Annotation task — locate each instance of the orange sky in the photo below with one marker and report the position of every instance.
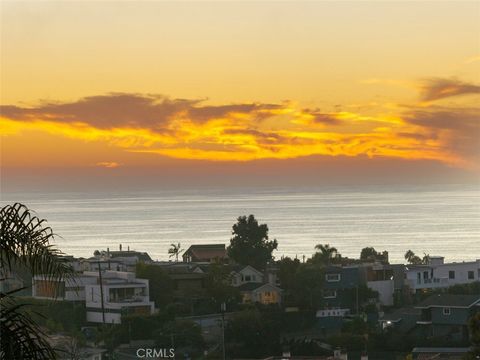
(123, 85)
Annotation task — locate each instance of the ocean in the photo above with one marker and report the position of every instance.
(437, 220)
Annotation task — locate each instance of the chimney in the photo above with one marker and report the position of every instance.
(120, 247)
(128, 248)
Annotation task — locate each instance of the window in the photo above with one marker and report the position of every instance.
(471, 275)
(425, 274)
(247, 277)
(451, 274)
(446, 311)
(332, 277)
(329, 294)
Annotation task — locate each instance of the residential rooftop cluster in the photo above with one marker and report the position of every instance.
(319, 302)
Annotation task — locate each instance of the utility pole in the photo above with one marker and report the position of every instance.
(101, 291)
(356, 288)
(224, 308)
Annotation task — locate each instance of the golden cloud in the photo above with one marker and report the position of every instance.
(192, 129)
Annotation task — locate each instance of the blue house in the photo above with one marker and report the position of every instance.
(447, 315)
(341, 284)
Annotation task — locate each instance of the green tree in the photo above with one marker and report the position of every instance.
(370, 254)
(252, 334)
(175, 250)
(218, 285)
(25, 241)
(249, 244)
(160, 284)
(184, 336)
(287, 268)
(416, 260)
(325, 254)
(307, 289)
(474, 330)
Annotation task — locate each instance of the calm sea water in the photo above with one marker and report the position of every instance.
(436, 220)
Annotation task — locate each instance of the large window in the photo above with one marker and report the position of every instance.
(332, 277)
(329, 294)
(471, 275)
(451, 274)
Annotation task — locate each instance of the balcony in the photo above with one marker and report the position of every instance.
(429, 283)
(127, 295)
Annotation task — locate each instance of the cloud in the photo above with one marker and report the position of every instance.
(455, 130)
(121, 110)
(108, 164)
(319, 117)
(439, 88)
(192, 129)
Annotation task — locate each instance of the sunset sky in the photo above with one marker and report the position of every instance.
(225, 92)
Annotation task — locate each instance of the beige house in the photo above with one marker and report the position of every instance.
(260, 293)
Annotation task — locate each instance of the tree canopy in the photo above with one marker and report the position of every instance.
(370, 254)
(249, 244)
(325, 254)
(416, 260)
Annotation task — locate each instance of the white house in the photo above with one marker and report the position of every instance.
(437, 274)
(246, 274)
(123, 294)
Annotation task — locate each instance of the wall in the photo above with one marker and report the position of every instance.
(385, 290)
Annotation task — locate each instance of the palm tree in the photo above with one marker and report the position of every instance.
(409, 255)
(325, 253)
(175, 250)
(25, 242)
(415, 260)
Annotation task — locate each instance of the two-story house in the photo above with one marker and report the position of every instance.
(447, 315)
(341, 284)
(122, 292)
(438, 274)
(255, 286)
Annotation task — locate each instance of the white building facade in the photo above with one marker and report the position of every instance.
(122, 292)
(438, 274)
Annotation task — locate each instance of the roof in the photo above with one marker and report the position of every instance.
(142, 256)
(444, 350)
(254, 286)
(400, 314)
(239, 268)
(449, 300)
(207, 251)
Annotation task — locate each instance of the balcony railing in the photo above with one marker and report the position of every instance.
(430, 283)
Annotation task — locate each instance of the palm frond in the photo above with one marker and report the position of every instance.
(21, 337)
(25, 241)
